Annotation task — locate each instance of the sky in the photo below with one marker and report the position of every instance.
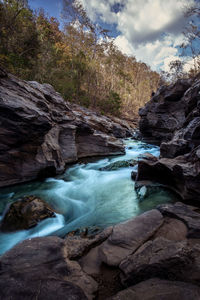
(52, 7)
(150, 30)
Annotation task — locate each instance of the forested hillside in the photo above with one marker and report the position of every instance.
(78, 58)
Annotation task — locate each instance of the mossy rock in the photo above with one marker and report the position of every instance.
(119, 164)
(25, 213)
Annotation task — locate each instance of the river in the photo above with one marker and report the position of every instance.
(85, 196)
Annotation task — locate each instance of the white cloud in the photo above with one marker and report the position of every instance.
(146, 20)
(149, 29)
(155, 53)
(123, 44)
(102, 9)
(167, 61)
(191, 63)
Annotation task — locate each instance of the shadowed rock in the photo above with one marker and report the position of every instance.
(39, 269)
(159, 258)
(172, 118)
(180, 174)
(173, 230)
(164, 113)
(185, 214)
(40, 132)
(25, 213)
(156, 289)
(127, 237)
(132, 254)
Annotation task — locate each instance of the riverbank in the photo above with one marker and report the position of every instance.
(93, 195)
(154, 254)
(41, 133)
(172, 119)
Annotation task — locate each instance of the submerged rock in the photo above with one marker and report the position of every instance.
(133, 175)
(25, 213)
(119, 164)
(146, 188)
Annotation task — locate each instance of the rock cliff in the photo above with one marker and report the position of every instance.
(172, 119)
(40, 132)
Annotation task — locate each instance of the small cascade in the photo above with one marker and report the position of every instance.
(86, 195)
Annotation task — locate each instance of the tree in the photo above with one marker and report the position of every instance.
(18, 37)
(80, 61)
(176, 69)
(192, 36)
(73, 12)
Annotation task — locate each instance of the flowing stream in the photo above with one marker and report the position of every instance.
(85, 196)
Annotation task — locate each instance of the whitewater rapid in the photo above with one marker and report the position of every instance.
(85, 196)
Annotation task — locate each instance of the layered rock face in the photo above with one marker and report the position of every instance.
(40, 132)
(164, 113)
(153, 256)
(172, 118)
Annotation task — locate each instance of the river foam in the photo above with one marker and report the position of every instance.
(85, 196)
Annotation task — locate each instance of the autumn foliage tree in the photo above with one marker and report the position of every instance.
(192, 37)
(19, 44)
(81, 61)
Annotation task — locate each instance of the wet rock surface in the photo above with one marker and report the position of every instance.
(40, 132)
(25, 213)
(119, 164)
(172, 118)
(153, 256)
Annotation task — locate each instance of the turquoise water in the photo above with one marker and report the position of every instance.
(85, 196)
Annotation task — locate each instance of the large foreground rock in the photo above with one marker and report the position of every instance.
(184, 213)
(172, 118)
(158, 258)
(153, 256)
(40, 269)
(156, 289)
(127, 237)
(40, 132)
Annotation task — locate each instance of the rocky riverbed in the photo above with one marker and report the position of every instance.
(151, 256)
(92, 195)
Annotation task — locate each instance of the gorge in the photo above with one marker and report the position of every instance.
(156, 251)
